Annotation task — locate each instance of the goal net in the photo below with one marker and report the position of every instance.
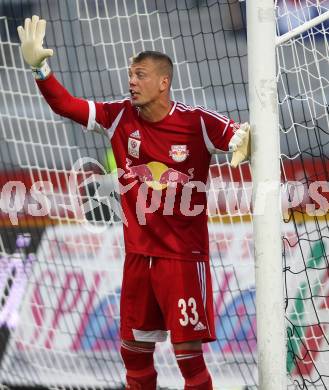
(64, 327)
(61, 238)
(303, 91)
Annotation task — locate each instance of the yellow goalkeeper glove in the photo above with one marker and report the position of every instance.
(240, 145)
(31, 37)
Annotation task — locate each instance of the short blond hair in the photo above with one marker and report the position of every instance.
(165, 62)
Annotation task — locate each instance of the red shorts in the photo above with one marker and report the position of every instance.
(160, 295)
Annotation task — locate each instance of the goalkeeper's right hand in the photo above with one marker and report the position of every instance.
(240, 145)
(31, 37)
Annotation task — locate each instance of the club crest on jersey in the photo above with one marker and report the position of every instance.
(133, 147)
(178, 153)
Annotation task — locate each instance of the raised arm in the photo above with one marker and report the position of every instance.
(62, 102)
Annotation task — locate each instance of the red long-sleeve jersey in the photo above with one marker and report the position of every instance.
(163, 168)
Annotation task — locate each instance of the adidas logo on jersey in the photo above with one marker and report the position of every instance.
(199, 326)
(135, 134)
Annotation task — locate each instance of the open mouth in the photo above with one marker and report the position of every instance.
(133, 94)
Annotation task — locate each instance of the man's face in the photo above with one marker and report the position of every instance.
(145, 82)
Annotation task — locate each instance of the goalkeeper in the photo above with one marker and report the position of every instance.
(166, 282)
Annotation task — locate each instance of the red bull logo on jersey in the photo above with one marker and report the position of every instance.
(178, 153)
(157, 175)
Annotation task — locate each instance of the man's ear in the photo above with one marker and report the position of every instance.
(164, 83)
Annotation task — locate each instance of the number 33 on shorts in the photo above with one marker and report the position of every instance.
(188, 311)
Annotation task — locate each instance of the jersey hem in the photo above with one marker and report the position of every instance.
(169, 256)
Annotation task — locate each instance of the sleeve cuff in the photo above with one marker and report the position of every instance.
(92, 116)
(41, 73)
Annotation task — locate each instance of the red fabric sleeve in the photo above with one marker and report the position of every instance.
(219, 129)
(62, 102)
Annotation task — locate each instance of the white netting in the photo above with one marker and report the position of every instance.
(303, 89)
(66, 330)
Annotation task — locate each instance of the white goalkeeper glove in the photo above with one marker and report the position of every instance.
(31, 37)
(240, 145)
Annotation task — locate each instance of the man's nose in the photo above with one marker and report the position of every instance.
(132, 80)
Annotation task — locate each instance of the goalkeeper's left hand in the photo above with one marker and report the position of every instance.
(240, 145)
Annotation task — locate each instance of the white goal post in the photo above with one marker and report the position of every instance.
(264, 120)
(267, 66)
(302, 28)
